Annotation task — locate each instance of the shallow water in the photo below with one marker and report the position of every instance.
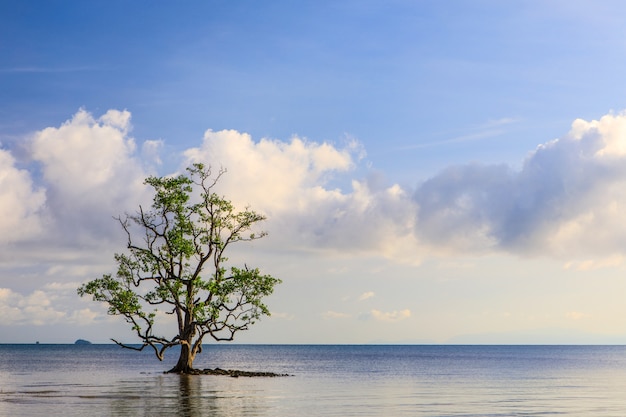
(105, 380)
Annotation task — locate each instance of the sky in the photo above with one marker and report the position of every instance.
(431, 172)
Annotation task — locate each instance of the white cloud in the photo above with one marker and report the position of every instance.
(116, 119)
(290, 182)
(277, 176)
(608, 134)
(21, 202)
(90, 161)
(90, 171)
(47, 306)
(151, 152)
(83, 317)
(56, 214)
(567, 200)
(84, 154)
(390, 316)
(366, 295)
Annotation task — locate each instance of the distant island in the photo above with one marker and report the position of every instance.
(82, 342)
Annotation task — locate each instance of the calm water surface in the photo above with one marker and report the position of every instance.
(105, 380)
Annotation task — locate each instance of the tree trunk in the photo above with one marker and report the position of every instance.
(185, 361)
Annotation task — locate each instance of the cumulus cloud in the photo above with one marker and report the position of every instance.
(21, 202)
(90, 171)
(57, 204)
(46, 306)
(151, 153)
(291, 183)
(566, 200)
(276, 175)
(84, 153)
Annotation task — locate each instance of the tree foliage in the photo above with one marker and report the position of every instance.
(175, 264)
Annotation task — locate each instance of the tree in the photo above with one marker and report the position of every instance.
(176, 262)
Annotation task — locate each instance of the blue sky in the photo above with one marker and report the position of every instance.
(432, 171)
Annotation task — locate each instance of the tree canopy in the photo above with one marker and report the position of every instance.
(175, 265)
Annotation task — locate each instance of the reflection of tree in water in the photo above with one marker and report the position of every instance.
(189, 396)
(202, 395)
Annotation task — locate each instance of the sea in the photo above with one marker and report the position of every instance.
(325, 380)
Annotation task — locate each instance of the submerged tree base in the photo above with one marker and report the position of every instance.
(229, 372)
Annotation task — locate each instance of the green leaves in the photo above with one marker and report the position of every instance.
(176, 259)
(120, 298)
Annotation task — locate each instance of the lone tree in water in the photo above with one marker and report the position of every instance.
(175, 262)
